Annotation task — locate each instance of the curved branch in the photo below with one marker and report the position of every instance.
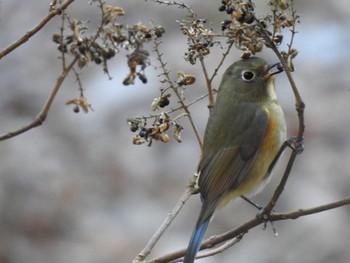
(41, 117)
(53, 12)
(299, 104)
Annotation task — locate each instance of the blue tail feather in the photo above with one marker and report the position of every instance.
(195, 241)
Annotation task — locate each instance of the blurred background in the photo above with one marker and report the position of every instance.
(77, 190)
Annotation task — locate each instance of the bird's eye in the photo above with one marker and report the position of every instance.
(247, 75)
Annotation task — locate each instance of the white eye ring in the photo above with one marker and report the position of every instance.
(247, 75)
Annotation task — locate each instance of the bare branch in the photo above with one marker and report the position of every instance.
(238, 232)
(278, 191)
(224, 55)
(53, 12)
(171, 216)
(208, 82)
(221, 248)
(299, 104)
(41, 117)
(179, 4)
(309, 211)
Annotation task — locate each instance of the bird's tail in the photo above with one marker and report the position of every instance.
(196, 240)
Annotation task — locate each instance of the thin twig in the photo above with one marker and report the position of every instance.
(160, 231)
(53, 12)
(221, 248)
(41, 117)
(176, 91)
(179, 4)
(208, 82)
(63, 56)
(278, 191)
(224, 55)
(299, 104)
(309, 211)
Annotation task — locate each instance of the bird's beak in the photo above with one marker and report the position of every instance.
(278, 67)
(270, 74)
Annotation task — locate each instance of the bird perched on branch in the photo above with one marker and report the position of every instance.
(245, 131)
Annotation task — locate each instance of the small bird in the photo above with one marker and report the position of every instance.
(245, 131)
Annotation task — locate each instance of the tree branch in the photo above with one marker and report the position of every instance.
(41, 117)
(236, 234)
(171, 216)
(309, 211)
(299, 104)
(53, 12)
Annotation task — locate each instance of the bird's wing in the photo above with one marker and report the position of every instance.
(224, 170)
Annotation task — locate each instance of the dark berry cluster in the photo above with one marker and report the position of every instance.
(157, 131)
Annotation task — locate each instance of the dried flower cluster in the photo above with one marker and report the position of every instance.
(243, 28)
(108, 39)
(200, 39)
(79, 103)
(157, 131)
(251, 34)
(162, 121)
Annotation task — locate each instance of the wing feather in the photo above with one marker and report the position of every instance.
(224, 170)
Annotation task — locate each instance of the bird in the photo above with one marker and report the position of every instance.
(245, 132)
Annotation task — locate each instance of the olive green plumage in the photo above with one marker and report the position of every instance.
(245, 131)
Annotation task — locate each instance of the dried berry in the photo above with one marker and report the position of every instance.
(222, 8)
(164, 102)
(76, 109)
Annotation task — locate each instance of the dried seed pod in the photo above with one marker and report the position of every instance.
(164, 126)
(163, 117)
(183, 79)
(62, 48)
(282, 4)
(82, 62)
(153, 130)
(177, 132)
(155, 103)
(288, 23)
(164, 137)
(137, 140)
(159, 31)
(80, 103)
(278, 39)
(246, 54)
(108, 53)
(134, 124)
(111, 13)
(164, 102)
(293, 53)
(56, 38)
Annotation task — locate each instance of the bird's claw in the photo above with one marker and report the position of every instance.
(296, 144)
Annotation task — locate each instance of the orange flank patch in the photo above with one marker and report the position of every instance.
(270, 132)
